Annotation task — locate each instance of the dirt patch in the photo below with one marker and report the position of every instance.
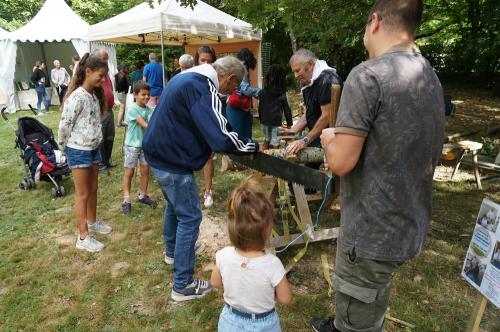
(117, 236)
(64, 209)
(119, 269)
(65, 240)
(213, 233)
(443, 174)
(148, 233)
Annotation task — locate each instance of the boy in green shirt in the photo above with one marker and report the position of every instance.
(138, 116)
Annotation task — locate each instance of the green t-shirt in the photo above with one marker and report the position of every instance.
(135, 133)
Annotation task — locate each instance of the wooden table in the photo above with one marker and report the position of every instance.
(469, 147)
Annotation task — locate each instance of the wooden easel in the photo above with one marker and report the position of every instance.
(477, 314)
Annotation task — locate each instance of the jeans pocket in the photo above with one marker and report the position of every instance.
(164, 179)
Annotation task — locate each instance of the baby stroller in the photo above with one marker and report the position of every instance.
(40, 154)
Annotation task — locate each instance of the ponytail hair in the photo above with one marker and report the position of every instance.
(93, 63)
(251, 215)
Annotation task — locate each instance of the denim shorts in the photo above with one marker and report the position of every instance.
(82, 158)
(230, 322)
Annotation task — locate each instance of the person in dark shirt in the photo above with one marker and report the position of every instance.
(38, 78)
(316, 78)
(122, 84)
(273, 103)
(385, 146)
(137, 73)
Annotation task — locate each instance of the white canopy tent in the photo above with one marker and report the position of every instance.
(56, 32)
(175, 24)
(169, 23)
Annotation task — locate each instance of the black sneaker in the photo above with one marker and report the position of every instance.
(195, 290)
(323, 325)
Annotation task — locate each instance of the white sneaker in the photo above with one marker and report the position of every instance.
(89, 244)
(100, 227)
(209, 199)
(198, 249)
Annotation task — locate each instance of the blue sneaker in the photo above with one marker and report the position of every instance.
(145, 199)
(126, 208)
(195, 290)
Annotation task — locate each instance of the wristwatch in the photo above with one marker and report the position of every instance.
(306, 140)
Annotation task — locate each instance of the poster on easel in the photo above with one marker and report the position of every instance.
(482, 263)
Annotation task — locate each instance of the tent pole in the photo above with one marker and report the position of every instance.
(162, 55)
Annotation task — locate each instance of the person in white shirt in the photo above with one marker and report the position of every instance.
(250, 277)
(60, 79)
(79, 136)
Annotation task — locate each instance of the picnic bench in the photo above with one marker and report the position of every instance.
(469, 155)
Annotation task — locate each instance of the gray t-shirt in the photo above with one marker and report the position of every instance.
(396, 102)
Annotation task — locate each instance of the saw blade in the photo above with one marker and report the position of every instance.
(283, 169)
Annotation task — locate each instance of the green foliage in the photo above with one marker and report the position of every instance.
(489, 147)
(14, 13)
(458, 36)
(130, 54)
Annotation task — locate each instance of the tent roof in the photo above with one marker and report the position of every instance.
(203, 24)
(4, 34)
(54, 22)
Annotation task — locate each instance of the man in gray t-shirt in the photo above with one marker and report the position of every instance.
(386, 144)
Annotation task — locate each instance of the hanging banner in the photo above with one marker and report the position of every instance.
(482, 262)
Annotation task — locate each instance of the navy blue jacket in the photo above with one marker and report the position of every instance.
(187, 125)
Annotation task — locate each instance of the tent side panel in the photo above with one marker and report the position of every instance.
(8, 52)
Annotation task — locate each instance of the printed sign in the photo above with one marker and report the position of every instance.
(482, 262)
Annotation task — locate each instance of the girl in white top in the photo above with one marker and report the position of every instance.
(251, 278)
(79, 137)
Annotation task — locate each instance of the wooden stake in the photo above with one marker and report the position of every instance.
(477, 314)
(399, 321)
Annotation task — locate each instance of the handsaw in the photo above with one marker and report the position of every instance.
(280, 168)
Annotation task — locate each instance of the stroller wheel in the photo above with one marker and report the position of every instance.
(54, 192)
(62, 191)
(22, 185)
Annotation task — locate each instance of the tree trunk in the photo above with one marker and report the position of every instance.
(293, 41)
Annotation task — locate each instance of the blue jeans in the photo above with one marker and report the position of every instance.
(230, 322)
(42, 94)
(181, 222)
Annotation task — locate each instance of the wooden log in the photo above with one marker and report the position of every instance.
(306, 155)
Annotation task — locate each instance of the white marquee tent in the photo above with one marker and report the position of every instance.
(56, 32)
(169, 23)
(175, 24)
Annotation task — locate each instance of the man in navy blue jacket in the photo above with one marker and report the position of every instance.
(186, 127)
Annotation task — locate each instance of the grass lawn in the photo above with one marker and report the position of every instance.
(48, 285)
